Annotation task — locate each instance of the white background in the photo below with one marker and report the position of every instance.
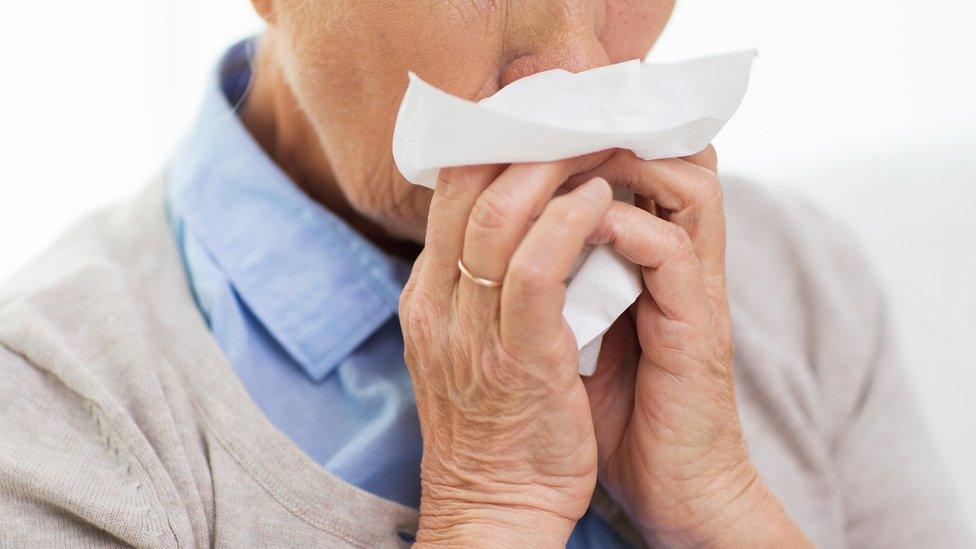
(865, 106)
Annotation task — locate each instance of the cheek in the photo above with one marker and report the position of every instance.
(349, 70)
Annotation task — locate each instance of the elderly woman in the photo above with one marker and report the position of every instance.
(256, 351)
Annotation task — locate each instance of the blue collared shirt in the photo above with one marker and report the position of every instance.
(303, 306)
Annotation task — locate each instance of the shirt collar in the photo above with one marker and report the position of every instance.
(315, 284)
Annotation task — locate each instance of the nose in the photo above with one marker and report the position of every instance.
(573, 53)
(553, 34)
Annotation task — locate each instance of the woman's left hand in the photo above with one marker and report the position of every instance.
(670, 446)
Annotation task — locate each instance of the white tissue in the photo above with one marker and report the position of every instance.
(655, 110)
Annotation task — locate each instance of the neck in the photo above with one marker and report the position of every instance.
(276, 120)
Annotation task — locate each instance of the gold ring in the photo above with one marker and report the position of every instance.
(477, 280)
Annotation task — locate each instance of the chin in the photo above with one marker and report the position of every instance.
(404, 217)
(412, 233)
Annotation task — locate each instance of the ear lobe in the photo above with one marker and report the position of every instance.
(265, 9)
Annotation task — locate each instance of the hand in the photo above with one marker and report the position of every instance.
(509, 449)
(671, 449)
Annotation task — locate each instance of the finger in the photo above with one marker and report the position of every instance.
(671, 271)
(706, 158)
(456, 192)
(690, 194)
(535, 285)
(502, 214)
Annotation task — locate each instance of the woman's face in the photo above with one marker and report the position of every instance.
(346, 62)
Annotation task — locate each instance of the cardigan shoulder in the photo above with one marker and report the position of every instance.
(88, 406)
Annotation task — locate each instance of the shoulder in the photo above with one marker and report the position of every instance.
(88, 311)
(791, 262)
(78, 387)
(828, 412)
(88, 292)
(73, 302)
(786, 231)
(809, 314)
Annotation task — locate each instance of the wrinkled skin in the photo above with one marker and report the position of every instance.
(331, 74)
(514, 439)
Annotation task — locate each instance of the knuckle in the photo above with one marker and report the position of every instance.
(706, 158)
(406, 295)
(619, 218)
(492, 210)
(414, 284)
(449, 183)
(709, 187)
(627, 162)
(678, 244)
(592, 161)
(459, 181)
(711, 156)
(606, 230)
(527, 278)
(622, 167)
(417, 313)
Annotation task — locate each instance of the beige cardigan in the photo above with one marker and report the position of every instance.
(122, 423)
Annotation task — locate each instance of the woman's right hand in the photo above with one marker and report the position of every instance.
(509, 450)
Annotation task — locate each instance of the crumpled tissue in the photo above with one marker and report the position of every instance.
(656, 110)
